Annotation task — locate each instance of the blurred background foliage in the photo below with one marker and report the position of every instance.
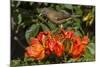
(26, 22)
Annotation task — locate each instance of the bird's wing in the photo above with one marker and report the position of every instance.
(61, 16)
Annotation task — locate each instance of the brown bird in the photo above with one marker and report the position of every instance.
(57, 17)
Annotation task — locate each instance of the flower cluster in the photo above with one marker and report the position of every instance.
(65, 42)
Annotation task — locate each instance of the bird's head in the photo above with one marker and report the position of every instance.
(44, 11)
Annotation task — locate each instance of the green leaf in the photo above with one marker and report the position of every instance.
(15, 63)
(52, 26)
(90, 52)
(69, 6)
(71, 60)
(18, 3)
(78, 10)
(78, 33)
(32, 31)
(19, 18)
(67, 24)
(44, 27)
(91, 48)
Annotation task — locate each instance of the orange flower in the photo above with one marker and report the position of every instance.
(68, 34)
(77, 40)
(34, 41)
(47, 51)
(85, 40)
(46, 43)
(77, 51)
(78, 46)
(35, 50)
(59, 49)
(55, 46)
(50, 44)
(41, 37)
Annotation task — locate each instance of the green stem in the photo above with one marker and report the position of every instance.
(19, 42)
